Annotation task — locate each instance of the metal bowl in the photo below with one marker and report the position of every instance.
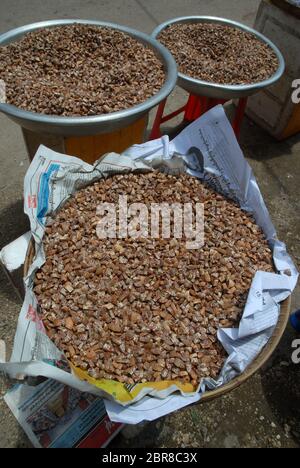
(90, 125)
(221, 91)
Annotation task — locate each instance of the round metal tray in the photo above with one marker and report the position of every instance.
(105, 123)
(220, 91)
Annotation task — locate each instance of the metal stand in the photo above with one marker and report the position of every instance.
(193, 109)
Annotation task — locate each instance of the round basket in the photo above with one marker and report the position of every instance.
(258, 362)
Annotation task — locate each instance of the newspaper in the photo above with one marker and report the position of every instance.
(207, 149)
(54, 415)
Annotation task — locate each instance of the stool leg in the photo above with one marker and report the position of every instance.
(198, 105)
(195, 107)
(155, 132)
(206, 104)
(190, 106)
(240, 111)
(198, 108)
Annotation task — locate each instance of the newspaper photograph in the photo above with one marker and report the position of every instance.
(54, 415)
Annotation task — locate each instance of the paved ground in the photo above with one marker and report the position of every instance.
(265, 412)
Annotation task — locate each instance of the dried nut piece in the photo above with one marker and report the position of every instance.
(147, 309)
(69, 323)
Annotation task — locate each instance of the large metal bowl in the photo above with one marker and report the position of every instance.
(105, 123)
(221, 91)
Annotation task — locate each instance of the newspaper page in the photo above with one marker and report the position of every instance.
(54, 415)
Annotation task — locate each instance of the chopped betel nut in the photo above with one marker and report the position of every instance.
(147, 309)
(79, 70)
(219, 53)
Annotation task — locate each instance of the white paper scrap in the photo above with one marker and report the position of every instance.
(148, 409)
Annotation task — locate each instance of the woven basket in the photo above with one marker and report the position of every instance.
(258, 362)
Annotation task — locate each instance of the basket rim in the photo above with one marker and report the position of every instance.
(257, 363)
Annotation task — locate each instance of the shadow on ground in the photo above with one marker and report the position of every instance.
(263, 147)
(13, 222)
(281, 385)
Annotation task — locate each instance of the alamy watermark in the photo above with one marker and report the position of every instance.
(2, 91)
(296, 353)
(296, 93)
(156, 220)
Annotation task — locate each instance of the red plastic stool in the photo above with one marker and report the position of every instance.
(193, 109)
